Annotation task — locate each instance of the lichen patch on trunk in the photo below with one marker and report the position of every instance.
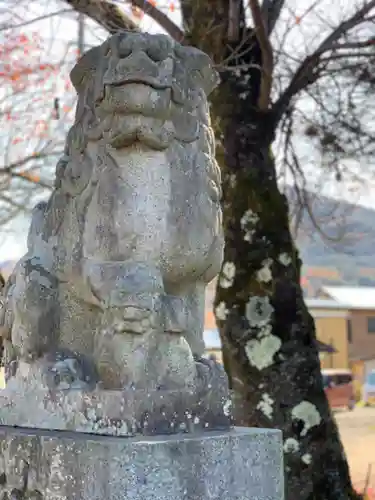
(264, 274)
(259, 311)
(265, 405)
(221, 311)
(308, 413)
(228, 273)
(260, 353)
(306, 458)
(248, 222)
(285, 259)
(291, 445)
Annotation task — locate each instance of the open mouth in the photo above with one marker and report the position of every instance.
(153, 133)
(150, 81)
(154, 142)
(137, 96)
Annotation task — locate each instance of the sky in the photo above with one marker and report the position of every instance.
(57, 31)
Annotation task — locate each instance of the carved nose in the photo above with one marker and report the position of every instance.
(138, 63)
(137, 66)
(157, 47)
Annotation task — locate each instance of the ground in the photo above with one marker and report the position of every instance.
(357, 429)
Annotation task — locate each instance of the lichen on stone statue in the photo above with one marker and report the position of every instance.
(110, 294)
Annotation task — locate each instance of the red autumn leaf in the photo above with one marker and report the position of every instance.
(23, 38)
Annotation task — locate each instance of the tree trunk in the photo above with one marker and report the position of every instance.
(268, 336)
(267, 333)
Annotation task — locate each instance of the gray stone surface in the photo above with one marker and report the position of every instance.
(107, 394)
(30, 403)
(110, 294)
(244, 464)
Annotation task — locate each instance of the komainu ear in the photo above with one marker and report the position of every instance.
(200, 68)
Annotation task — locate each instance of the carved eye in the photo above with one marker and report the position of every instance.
(159, 48)
(125, 47)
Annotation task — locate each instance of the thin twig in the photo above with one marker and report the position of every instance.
(306, 73)
(21, 24)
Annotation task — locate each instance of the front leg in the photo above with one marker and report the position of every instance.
(184, 313)
(127, 292)
(140, 342)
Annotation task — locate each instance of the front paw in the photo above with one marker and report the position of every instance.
(66, 370)
(133, 320)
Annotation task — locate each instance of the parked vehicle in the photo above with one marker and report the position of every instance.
(339, 388)
(368, 394)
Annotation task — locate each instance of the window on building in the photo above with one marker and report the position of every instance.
(343, 379)
(371, 324)
(349, 330)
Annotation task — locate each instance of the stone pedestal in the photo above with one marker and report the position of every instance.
(242, 464)
(108, 393)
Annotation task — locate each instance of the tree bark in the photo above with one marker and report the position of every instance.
(267, 333)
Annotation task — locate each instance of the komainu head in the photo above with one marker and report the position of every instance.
(143, 88)
(142, 120)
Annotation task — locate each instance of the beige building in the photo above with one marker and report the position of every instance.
(358, 326)
(344, 319)
(331, 324)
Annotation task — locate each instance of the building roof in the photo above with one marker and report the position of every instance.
(359, 297)
(320, 303)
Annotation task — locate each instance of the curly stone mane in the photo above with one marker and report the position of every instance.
(135, 215)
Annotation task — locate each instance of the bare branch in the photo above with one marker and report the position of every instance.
(307, 73)
(162, 19)
(267, 55)
(110, 17)
(341, 55)
(21, 207)
(353, 45)
(271, 10)
(344, 27)
(34, 20)
(11, 168)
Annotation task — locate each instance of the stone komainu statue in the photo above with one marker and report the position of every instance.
(111, 290)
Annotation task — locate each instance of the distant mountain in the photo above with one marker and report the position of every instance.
(345, 254)
(6, 268)
(347, 259)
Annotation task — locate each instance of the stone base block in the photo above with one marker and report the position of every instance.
(27, 401)
(115, 413)
(243, 464)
